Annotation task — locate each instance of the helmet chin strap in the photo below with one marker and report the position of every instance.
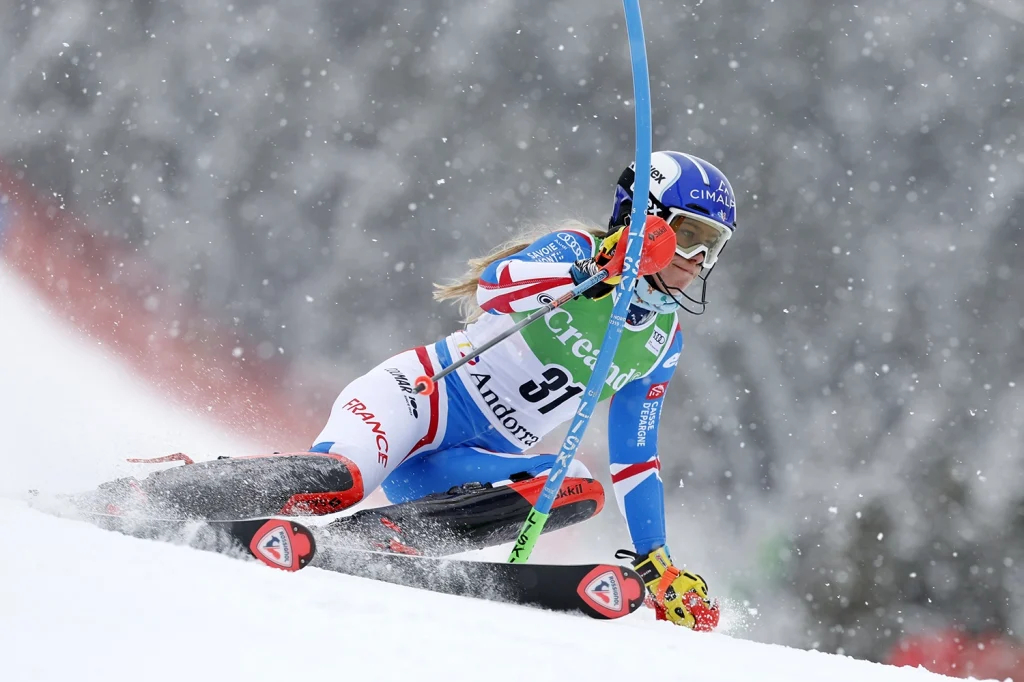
(677, 294)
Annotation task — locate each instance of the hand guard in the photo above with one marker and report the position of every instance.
(583, 270)
(679, 596)
(658, 250)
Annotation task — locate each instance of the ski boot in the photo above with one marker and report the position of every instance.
(289, 484)
(470, 516)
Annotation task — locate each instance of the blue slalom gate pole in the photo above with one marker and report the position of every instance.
(538, 516)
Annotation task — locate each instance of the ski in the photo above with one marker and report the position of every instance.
(602, 591)
(278, 543)
(598, 590)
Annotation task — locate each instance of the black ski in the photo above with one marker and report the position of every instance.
(278, 543)
(601, 591)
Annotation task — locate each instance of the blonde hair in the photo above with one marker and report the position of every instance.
(463, 289)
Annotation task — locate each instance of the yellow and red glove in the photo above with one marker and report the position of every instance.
(605, 259)
(677, 595)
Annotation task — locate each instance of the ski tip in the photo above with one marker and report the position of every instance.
(610, 591)
(283, 544)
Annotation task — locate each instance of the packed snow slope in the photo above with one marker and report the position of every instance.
(79, 603)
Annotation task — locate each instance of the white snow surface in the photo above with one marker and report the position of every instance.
(79, 603)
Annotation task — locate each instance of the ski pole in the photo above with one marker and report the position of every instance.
(657, 255)
(426, 385)
(538, 516)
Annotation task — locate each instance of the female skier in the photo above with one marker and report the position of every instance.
(452, 463)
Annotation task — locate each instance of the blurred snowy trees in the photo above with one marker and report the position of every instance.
(850, 406)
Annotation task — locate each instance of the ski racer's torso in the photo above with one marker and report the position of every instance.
(532, 382)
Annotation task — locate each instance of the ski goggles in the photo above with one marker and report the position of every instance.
(697, 235)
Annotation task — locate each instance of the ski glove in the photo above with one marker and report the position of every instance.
(677, 596)
(586, 268)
